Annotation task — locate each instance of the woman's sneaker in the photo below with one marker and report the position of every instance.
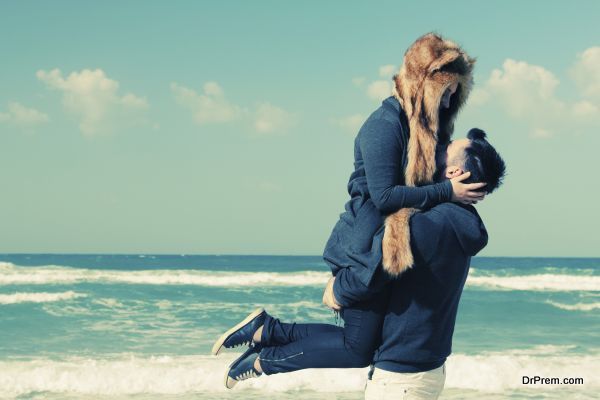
(242, 368)
(242, 333)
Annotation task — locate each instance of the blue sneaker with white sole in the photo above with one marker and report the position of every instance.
(242, 333)
(243, 368)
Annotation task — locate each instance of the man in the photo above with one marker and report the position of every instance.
(419, 323)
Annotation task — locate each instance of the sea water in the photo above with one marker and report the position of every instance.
(141, 327)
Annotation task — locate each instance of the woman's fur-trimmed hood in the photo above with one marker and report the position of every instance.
(431, 65)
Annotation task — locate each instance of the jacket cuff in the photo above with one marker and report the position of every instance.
(446, 187)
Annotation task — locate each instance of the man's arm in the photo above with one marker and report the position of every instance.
(426, 230)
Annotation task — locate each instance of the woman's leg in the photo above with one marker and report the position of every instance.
(277, 333)
(290, 347)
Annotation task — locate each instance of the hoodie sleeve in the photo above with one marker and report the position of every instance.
(349, 289)
(383, 154)
(426, 231)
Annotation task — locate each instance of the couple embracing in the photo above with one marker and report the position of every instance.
(400, 253)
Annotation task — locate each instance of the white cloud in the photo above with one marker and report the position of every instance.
(540, 133)
(478, 97)
(272, 119)
(208, 107)
(379, 90)
(213, 107)
(527, 93)
(585, 109)
(94, 99)
(358, 81)
(524, 88)
(351, 123)
(387, 71)
(586, 71)
(23, 117)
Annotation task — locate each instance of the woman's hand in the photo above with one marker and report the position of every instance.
(465, 192)
(329, 297)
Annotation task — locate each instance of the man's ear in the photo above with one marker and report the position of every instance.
(453, 171)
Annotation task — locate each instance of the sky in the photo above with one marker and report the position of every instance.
(228, 127)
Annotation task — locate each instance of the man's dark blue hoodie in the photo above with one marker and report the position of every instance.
(419, 322)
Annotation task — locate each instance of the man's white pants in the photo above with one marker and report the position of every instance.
(426, 385)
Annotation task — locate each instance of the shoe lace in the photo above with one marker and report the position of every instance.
(244, 343)
(251, 373)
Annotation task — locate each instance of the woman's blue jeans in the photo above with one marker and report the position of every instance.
(290, 346)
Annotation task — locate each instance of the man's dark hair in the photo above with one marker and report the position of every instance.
(483, 161)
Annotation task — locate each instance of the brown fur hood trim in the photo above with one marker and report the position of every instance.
(430, 66)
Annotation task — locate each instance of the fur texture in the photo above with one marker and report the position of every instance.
(430, 66)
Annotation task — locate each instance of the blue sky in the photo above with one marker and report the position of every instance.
(228, 127)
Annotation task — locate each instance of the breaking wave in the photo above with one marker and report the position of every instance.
(11, 274)
(39, 297)
(129, 374)
(538, 282)
(575, 307)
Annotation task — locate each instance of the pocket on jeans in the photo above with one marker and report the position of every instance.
(376, 390)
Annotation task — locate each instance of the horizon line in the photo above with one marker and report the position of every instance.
(249, 255)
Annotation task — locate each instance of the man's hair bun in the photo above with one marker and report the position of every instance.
(476, 133)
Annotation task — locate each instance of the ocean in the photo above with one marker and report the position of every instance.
(141, 327)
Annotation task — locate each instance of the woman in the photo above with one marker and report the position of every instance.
(394, 167)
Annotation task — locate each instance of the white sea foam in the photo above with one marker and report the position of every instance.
(576, 306)
(11, 274)
(126, 375)
(14, 275)
(38, 297)
(497, 372)
(108, 303)
(538, 282)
